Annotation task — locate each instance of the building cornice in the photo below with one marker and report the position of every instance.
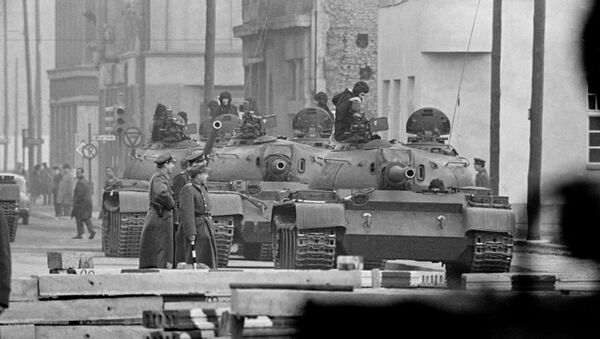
(81, 99)
(276, 23)
(74, 72)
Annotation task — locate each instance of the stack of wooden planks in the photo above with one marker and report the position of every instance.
(112, 305)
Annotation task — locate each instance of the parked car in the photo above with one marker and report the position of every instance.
(24, 204)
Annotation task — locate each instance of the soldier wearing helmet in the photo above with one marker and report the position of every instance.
(346, 107)
(225, 106)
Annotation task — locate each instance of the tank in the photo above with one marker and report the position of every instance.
(383, 200)
(125, 206)
(9, 202)
(257, 167)
(313, 126)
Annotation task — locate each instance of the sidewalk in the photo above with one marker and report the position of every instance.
(47, 212)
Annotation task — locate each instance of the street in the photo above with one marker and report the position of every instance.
(46, 233)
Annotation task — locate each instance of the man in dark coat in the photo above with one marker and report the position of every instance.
(160, 122)
(82, 205)
(5, 263)
(181, 179)
(56, 181)
(225, 106)
(196, 221)
(344, 112)
(156, 244)
(481, 178)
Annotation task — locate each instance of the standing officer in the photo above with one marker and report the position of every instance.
(82, 205)
(481, 178)
(196, 221)
(156, 245)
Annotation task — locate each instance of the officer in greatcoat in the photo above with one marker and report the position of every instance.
(481, 178)
(196, 221)
(156, 245)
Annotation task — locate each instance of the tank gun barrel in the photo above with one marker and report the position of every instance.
(397, 173)
(210, 143)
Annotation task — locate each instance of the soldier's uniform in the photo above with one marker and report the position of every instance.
(195, 217)
(481, 178)
(156, 245)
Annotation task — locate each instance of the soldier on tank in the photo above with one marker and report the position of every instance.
(345, 109)
(225, 106)
(481, 178)
(197, 228)
(160, 122)
(321, 99)
(156, 245)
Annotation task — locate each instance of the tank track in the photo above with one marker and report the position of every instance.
(305, 249)
(223, 228)
(492, 252)
(11, 217)
(122, 233)
(266, 252)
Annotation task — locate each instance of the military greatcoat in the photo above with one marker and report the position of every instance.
(482, 179)
(5, 263)
(156, 245)
(195, 208)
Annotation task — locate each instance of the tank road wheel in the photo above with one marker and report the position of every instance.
(304, 249)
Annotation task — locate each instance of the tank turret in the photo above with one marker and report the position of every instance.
(313, 126)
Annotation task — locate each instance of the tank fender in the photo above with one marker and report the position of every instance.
(226, 204)
(489, 219)
(314, 215)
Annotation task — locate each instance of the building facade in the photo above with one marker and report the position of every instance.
(423, 60)
(294, 49)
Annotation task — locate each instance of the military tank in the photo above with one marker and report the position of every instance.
(9, 202)
(313, 126)
(383, 200)
(125, 205)
(257, 167)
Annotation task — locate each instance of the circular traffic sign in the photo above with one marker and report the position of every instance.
(89, 151)
(133, 137)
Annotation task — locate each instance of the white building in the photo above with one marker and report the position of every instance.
(422, 50)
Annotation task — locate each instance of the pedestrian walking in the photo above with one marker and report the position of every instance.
(197, 226)
(46, 184)
(5, 263)
(35, 183)
(82, 206)
(156, 244)
(56, 177)
(65, 191)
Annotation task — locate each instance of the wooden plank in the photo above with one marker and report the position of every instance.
(17, 332)
(84, 310)
(90, 332)
(70, 259)
(196, 334)
(501, 281)
(183, 305)
(305, 287)
(291, 303)
(183, 282)
(24, 289)
(411, 279)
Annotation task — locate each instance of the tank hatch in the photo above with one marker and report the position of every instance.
(312, 122)
(428, 124)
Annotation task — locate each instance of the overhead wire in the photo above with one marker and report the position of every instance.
(457, 100)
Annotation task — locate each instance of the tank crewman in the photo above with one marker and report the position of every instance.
(5, 262)
(344, 111)
(160, 122)
(321, 99)
(179, 181)
(481, 178)
(197, 224)
(225, 106)
(213, 105)
(156, 244)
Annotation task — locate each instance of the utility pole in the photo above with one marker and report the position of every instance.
(5, 74)
(209, 56)
(17, 113)
(535, 126)
(495, 98)
(30, 116)
(38, 81)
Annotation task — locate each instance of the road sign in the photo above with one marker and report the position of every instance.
(104, 137)
(133, 137)
(89, 151)
(79, 148)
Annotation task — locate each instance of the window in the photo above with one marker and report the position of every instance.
(594, 123)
